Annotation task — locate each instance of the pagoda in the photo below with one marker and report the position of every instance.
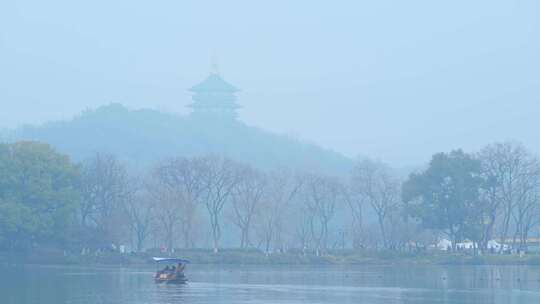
(214, 98)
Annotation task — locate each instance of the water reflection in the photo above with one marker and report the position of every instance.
(278, 284)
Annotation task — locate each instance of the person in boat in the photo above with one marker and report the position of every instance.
(160, 272)
(180, 268)
(166, 271)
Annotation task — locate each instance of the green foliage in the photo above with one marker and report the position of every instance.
(37, 193)
(446, 196)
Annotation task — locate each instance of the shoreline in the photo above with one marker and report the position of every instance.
(256, 258)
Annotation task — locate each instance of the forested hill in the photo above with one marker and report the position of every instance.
(142, 137)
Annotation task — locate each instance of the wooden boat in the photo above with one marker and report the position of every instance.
(173, 273)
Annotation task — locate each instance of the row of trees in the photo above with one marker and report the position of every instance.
(180, 198)
(206, 201)
(493, 194)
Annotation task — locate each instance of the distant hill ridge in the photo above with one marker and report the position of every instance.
(143, 137)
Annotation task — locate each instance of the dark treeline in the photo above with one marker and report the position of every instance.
(47, 201)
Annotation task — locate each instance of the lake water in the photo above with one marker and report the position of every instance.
(273, 284)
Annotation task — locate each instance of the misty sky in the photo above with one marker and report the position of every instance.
(395, 80)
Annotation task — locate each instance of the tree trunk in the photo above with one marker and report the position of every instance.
(506, 226)
(216, 233)
(383, 232)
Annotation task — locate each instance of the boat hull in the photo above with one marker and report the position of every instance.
(180, 280)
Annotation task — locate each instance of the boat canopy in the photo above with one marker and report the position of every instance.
(170, 260)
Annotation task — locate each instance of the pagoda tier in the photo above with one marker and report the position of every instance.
(214, 97)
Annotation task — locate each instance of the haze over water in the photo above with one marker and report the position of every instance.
(275, 284)
(390, 80)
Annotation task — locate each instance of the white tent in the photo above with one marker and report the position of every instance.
(444, 245)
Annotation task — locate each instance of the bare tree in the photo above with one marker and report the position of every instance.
(321, 196)
(356, 205)
(246, 198)
(302, 228)
(266, 224)
(219, 177)
(168, 211)
(401, 233)
(140, 209)
(183, 178)
(493, 172)
(281, 189)
(104, 187)
(512, 177)
(525, 215)
(373, 182)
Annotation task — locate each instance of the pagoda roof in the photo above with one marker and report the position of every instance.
(214, 83)
(213, 105)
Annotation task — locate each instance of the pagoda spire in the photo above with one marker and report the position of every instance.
(214, 65)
